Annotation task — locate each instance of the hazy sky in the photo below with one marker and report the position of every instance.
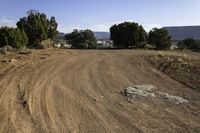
(99, 15)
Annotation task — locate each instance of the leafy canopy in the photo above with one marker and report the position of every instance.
(81, 39)
(38, 27)
(190, 44)
(128, 34)
(14, 37)
(160, 38)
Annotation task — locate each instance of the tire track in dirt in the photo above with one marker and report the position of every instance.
(81, 93)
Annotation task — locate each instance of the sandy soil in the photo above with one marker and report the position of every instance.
(181, 68)
(80, 91)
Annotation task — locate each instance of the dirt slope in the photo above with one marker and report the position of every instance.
(79, 91)
(187, 69)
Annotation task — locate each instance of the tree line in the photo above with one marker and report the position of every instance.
(30, 31)
(189, 43)
(35, 28)
(124, 35)
(133, 35)
(81, 39)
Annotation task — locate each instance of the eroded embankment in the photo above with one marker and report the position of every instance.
(184, 69)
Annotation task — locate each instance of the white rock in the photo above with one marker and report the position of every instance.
(176, 99)
(141, 90)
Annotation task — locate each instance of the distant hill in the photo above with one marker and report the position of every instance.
(60, 35)
(98, 35)
(181, 33)
(102, 35)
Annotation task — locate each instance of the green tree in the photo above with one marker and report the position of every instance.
(160, 39)
(127, 34)
(190, 44)
(38, 27)
(81, 39)
(52, 30)
(13, 36)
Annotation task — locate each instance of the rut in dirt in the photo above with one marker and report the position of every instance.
(81, 92)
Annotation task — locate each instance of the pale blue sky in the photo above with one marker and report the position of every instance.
(99, 15)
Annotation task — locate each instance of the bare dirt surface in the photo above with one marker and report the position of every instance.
(80, 91)
(181, 68)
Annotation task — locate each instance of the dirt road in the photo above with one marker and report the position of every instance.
(80, 91)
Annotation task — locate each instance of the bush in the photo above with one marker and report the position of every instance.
(190, 44)
(38, 27)
(13, 37)
(128, 34)
(181, 46)
(196, 47)
(45, 44)
(81, 39)
(160, 38)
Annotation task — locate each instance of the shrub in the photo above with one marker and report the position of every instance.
(38, 27)
(190, 44)
(13, 37)
(128, 34)
(81, 39)
(45, 44)
(160, 38)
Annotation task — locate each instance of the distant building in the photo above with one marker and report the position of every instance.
(61, 44)
(174, 46)
(104, 44)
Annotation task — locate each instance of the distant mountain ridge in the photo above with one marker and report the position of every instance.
(60, 35)
(98, 35)
(178, 33)
(102, 35)
(183, 32)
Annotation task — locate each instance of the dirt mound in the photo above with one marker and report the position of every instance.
(181, 68)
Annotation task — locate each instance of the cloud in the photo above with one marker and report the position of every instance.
(87, 19)
(103, 26)
(7, 22)
(95, 27)
(106, 26)
(149, 27)
(67, 29)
